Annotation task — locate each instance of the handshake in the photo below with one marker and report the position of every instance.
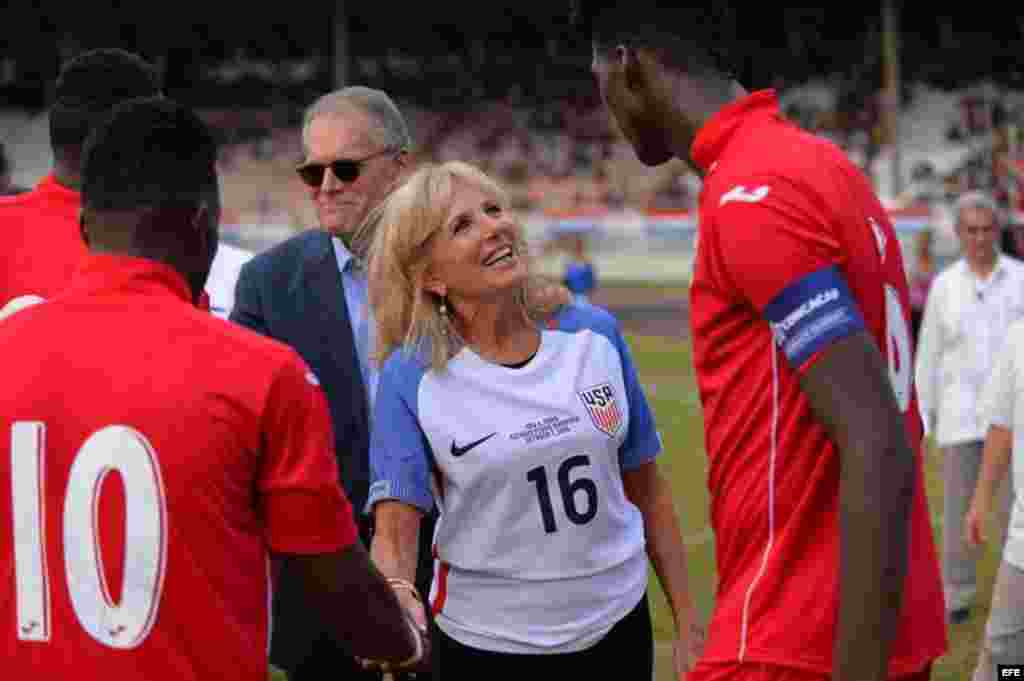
(416, 618)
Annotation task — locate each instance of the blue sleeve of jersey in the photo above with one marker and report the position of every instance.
(579, 277)
(400, 459)
(813, 312)
(642, 443)
(589, 279)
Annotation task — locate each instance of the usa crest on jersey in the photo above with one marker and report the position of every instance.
(603, 408)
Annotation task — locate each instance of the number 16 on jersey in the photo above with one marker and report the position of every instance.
(568, 488)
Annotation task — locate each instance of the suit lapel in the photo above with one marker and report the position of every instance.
(331, 317)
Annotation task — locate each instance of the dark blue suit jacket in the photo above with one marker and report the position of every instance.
(293, 293)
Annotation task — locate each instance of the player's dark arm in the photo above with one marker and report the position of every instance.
(356, 603)
(849, 391)
(248, 309)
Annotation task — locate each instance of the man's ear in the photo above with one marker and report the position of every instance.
(643, 71)
(624, 58)
(630, 61)
(82, 228)
(636, 70)
(199, 217)
(204, 222)
(199, 214)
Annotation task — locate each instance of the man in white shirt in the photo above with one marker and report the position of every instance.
(970, 306)
(223, 276)
(1002, 409)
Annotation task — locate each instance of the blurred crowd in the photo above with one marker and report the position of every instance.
(556, 149)
(561, 156)
(566, 159)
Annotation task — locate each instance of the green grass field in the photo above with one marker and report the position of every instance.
(666, 372)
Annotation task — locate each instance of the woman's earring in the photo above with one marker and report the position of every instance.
(442, 309)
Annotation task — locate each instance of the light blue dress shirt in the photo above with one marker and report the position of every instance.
(353, 280)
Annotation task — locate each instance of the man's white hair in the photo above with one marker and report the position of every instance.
(979, 199)
(388, 127)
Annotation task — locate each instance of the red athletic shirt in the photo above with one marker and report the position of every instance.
(794, 252)
(152, 458)
(40, 242)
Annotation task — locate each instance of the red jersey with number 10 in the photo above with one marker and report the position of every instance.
(794, 252)
(152, 459)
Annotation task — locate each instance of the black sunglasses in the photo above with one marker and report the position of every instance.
(345, 169)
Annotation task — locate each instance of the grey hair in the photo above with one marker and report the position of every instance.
(388, 125)
(979, 199)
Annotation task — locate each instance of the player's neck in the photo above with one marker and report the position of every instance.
(67, 175)
(694, 107)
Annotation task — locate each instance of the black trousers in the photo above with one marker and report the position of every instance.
(626, 651)
(327, 659)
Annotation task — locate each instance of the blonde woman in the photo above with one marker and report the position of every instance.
(531, 435)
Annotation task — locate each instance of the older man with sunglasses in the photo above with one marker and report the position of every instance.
(310, 292)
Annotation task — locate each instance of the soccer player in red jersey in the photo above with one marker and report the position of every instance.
(799, 311)
(40, 246)
(154, 458)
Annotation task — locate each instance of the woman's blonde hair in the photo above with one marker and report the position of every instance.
(407, 315)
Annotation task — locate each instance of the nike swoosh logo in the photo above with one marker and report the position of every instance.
(458, 451)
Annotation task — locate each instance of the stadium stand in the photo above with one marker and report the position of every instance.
(560, 155)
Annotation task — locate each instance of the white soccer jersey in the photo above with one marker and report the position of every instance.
(224, 271)
(538, 549)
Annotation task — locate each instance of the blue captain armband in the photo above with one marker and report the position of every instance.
(812, 313)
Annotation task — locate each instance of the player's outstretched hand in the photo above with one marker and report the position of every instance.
(416, 616)
(687, 649)
(418, 662)
(974, 524)
(410, 600)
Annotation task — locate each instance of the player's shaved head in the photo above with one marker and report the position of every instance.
(149, 186)
(693, 37)
(663, 70)
(88, 87)
(149, 153)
